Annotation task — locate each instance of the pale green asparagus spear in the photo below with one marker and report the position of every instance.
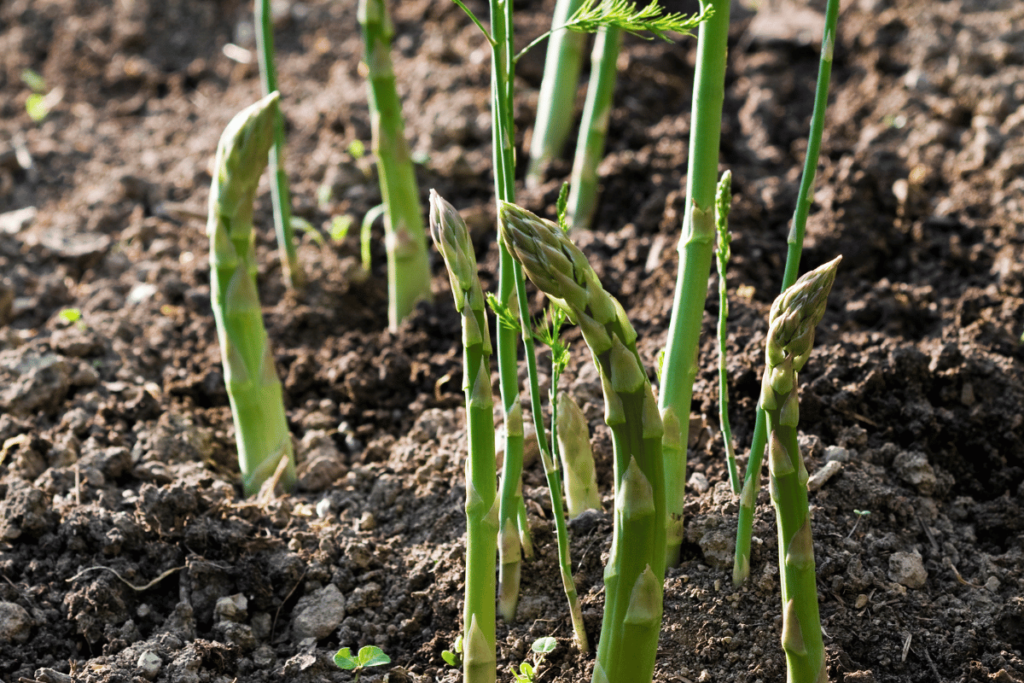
(451, 238)
(636, 569)
(793, 318)
(254, 390)
(581, 492)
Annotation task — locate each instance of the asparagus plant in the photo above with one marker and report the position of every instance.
(723, 199)
(594, 126)
(752, 475)
(253, 386)
(557, 92)
(451, 237)
(405, 242)
(279, 194)
(695, 249)
(794, 315)
(635, 571)
(581, 492)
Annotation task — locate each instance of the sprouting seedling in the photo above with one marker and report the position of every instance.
(70, 315)
(340, 226)
(528, 672)
(861, 514)
(723, 203)
(364, 232)
(356, 149)
(369, 655)
(304, 226)
(453, 657)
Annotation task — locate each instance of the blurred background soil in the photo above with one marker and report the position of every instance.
(126, 550)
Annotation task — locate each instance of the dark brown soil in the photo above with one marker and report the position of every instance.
(126, 549)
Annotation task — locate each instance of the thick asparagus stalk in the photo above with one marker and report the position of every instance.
(452, 239)
(280, 197)
(636, 569)
(793, 318)
(254, 389)
(581, 492)
(594, 126)
(405, 241)
(557, 92)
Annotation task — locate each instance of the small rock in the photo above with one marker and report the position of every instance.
(837, 454)
(324, 508)
(320, 461)
(367, 522)
(33, 382)
(992, 584)
(907, 569)
(45, 675)
(699, 482)
(15, 221)
(862, 600)
(914, 469)
(15, 623)
(319, 613)
(860, 677)
(819, 478)
(231, 608)
(149, 664)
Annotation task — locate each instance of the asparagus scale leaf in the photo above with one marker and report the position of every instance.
(451, 237)
(794, 315)
(636, 568)
(253, 386)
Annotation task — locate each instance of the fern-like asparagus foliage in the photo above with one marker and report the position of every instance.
(627, 16)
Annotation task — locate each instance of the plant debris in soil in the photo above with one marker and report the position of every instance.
(126, 550)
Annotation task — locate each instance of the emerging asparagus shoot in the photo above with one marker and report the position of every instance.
(254, 389)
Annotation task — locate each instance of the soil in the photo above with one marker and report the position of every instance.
(126, 549)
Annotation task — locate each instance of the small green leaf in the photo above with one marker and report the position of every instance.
(371, 655)
(302, 225)
(449, 657)
(36, 107)
(343, 659)
(33, 80)
(544, 645)
(70, 315)
(527, 670)
(357, 149)
(340, 226)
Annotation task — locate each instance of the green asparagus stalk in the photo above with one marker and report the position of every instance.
(752, 475)
(279, 194)
(723, 199)
(594, 126)
(695, 250)
(581, 492)
(405, 241)
(557, 93)
(452, 240)
(635, 572)
(793, 317)
(254, 389)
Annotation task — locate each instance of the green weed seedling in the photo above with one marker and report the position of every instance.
(528, 672)
(369, 655)
(453, 657)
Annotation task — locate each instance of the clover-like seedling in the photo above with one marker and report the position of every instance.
(528, 672)
(369, 655)
(453, 657)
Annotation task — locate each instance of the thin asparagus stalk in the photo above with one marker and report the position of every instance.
(723, 199)
(695, 250)
(793, 317)
(557, 93)
(452, 239)
(405, 242)
(581, 492)
(254, 390)
(279, 194)
(636, 569)
(752, 475)
(594, 126)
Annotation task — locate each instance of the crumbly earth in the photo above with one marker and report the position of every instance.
(126, 550)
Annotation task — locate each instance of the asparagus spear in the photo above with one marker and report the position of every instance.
(279, 194)
(254, 389)
(406, 242)
(723, 201)
(451, 238)
(581, 492)
(636, 570)
(792, 320)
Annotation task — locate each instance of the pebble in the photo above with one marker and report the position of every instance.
(319, 613)
(862, 601)
(15, 221)
(699, 482)
(231, 608)
(837, 454)
(46, 675)
(821, 477)
(992, 584)
(914, 469)
(149, 664)
(15, 623)
(907, 569)
(367, 522)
